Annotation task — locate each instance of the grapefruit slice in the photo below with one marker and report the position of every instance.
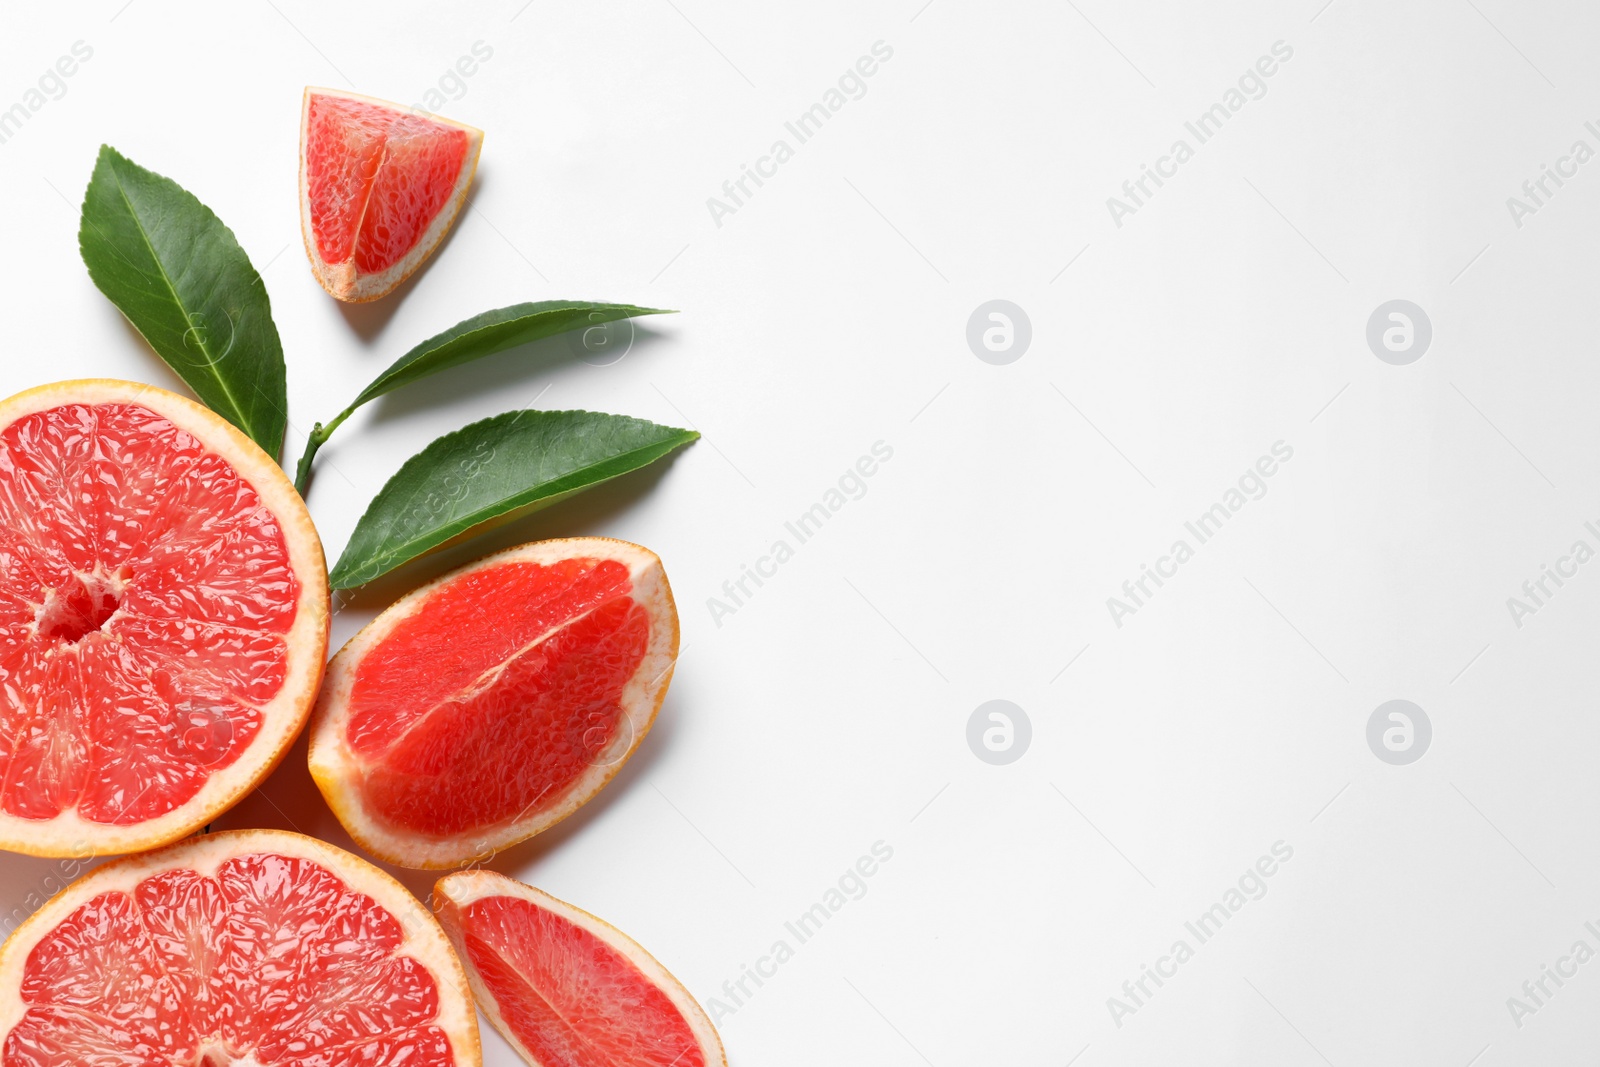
(163, 617)
(567, 989)
(380, 185)
(254, 947)
(488, 705)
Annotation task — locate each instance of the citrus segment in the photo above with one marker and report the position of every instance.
(488, 705)
(379, 187)
(163, 617)
(565, 988)
(248, 948)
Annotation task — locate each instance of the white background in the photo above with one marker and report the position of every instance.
(828, 313)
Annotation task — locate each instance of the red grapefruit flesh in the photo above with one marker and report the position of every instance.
(486, 706)
(255, 947)
(163, 617)
(565, 988)
(380, 185)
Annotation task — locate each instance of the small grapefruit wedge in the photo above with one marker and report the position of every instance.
(250, 948)
(163, 617)
(567, 989)
(488, 705)
(380, 185)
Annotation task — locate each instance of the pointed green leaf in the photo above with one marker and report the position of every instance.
(474, 338)
(495, 331)
(494, 470)
(176, 271)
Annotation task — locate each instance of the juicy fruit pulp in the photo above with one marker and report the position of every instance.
(378, 181)
(527, 959)
(484, 707)
(566, 988)
(534, 695)
(259, 957)
(376, 178)
(146, 595)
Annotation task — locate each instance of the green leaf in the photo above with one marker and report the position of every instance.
(474, 338)
(495, 331)
(494, 470)
(176, 271)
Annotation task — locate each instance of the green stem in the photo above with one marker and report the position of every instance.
(316, 439)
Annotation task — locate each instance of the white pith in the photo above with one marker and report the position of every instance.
(338, 770)
(341, 280)
(70, 835)
(456, 891)
(424, 939)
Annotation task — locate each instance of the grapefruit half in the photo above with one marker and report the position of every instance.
(488, 705)
(380, 185)
(567, 989)
(163, 617)
(253, 947)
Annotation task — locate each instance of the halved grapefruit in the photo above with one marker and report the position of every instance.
(488, 705)
(163, 617)
(380, 185)
(567, 989)
(253, 947)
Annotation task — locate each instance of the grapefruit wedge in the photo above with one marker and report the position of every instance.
(380, 185)
(567, 989)
(488, 705)
(249, 948)
(163, 617)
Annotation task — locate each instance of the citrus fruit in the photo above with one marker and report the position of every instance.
(380, 185)
(163, 617)
(567, 989)
(253, 947)
(486, 706)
